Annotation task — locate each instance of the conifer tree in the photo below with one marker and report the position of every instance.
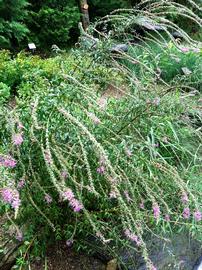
(12, 28)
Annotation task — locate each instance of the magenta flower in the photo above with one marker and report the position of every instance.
(196, 50)
(11, 197)
(69, 242)
(47, 157)
(48, 199)
(167, 217)
(197, 215)
(76, 205)
(141, 205)
(156, 210)
(153, 267)
(8, 162)
(185, 49)
(68, 194)
(21, 184)
(186, 213)
(19, 236)
(16, 200)
(20, 125)
(7, 195)
(133, 237)
(101, 170)
(184, 198)
(64, 174)
(73, 202)
(17, 139)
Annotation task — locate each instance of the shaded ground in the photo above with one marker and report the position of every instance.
(60, 257)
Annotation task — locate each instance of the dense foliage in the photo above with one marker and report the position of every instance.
(12, 16)
(51, 22)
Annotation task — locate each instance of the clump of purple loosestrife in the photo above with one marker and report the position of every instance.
(133, 237)
(17, 139)
(156, 210)
(73, 202)
(8, 162)
(197, 215)
(11, 197)
(186, 213)
(48, 199)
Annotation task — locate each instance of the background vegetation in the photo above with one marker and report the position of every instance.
(51, 22)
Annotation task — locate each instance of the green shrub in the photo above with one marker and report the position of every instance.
(4, 92)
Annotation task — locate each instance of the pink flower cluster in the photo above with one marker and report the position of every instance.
(11, 197)
(156, 210)
(184, 198)
(48, 199)
(19, 236)
(187, 213)
(133, 237)
(101, 169)
(186, 49)
(141, 205)
(7, 162)
(73, 202)
(94, 118)
(17, 139)
(128, 198)
(21, 184)
(64, 174)
(197, 215)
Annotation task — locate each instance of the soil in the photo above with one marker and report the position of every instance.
(60, 257)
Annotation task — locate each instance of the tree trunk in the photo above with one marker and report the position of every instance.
(85, 14)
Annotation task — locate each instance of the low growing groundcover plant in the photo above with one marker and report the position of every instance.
(77, 163)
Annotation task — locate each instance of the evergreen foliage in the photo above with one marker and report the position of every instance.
(53, 22)
(12, 29)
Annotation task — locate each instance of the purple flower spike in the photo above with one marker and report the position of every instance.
(68, 194)
(186, 213)
(19, 236)
(48, 199)
(101, 170)
(167, 217)
(64, 174)
(156, 210)
(11, 197)
(17, 139)
(133, 237)
(21, 184)
(7, 195)
(184, 198)
(141, 205)
(197, 215)
(185, 49)
(76, 205)
(8, 162)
